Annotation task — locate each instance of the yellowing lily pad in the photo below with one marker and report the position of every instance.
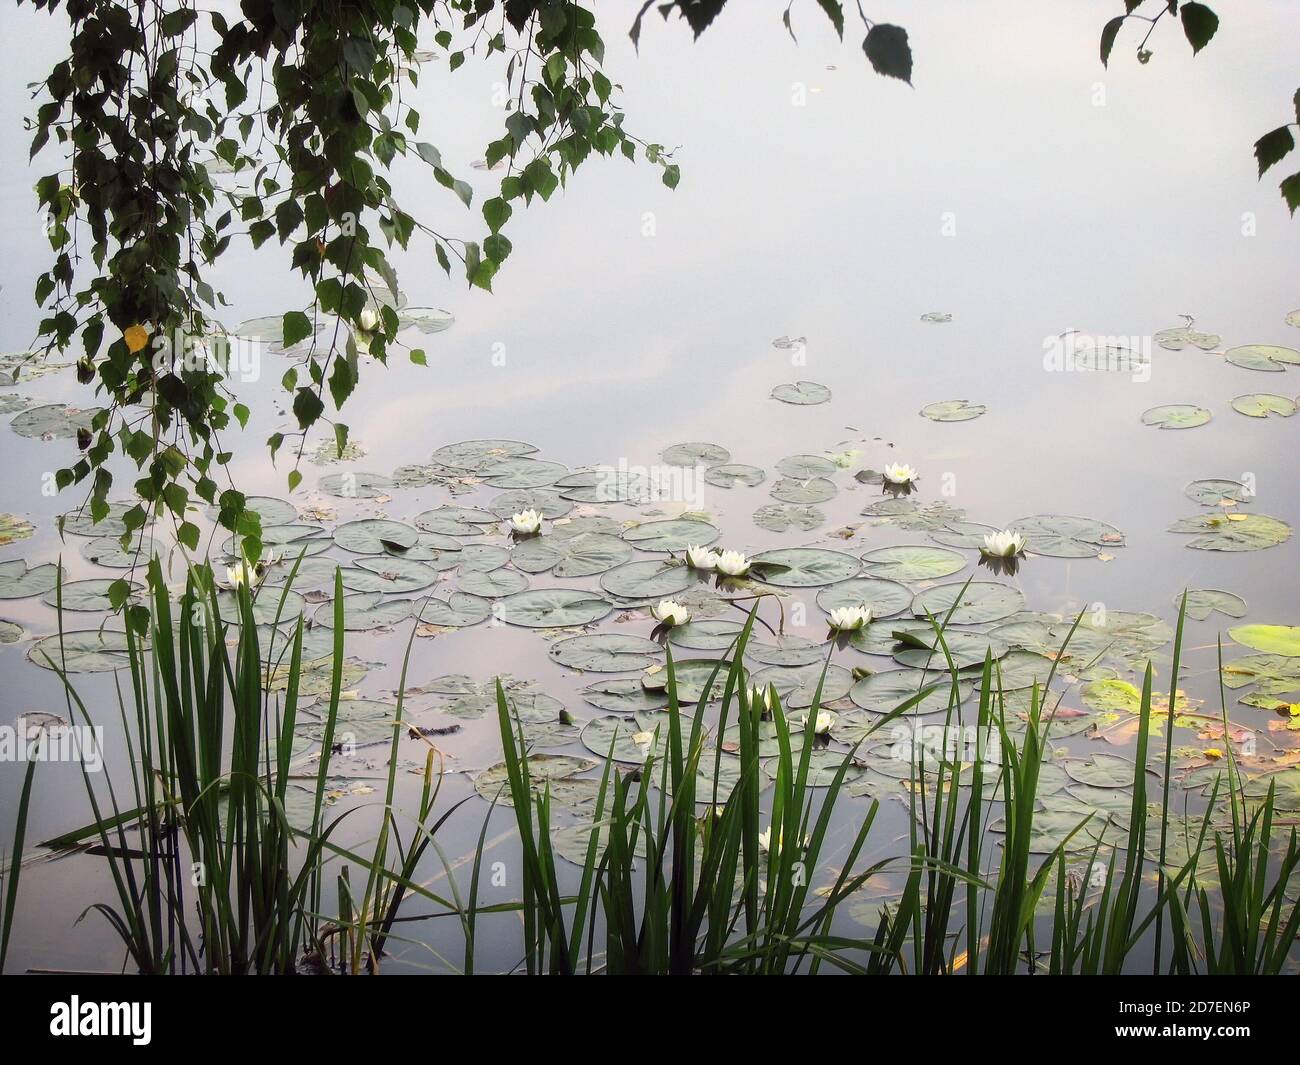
(1273, 639)
(1262, 404)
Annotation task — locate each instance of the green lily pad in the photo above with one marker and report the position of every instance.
(19, 582)
(108, 552)
(1201, 602)
(633, 739)
(966, 648)
(624, 695)
(912, 562)
(10, 631)
(971, 604)
(1178, 338)
(440, 552)
(478, 456)
(805, 467)
(82, 651)
(523, 473)
(386, 574)
(796, 687)
(802, 493)
(1176, 416)
(1271, 639)
(365, 610)
(883, 598)
(80, 523)
(823, 767)
(1262, 404)
(804, 567)
(358, 723)
(52, 421)
(884, 692)
(606, 652)
(777, 518)
(1214, 491)
(674, 534)
(266, 606)
(802, 393)
(1101, 771)
(732, 475)
(692, 675)
(88, 595)
(459, 610)
(907, 514)
(967, 534)
(375, 536)
(543, 770)
(541, 608)
(705, 634)
(356, 485)
(785, 651)
(695, 454)
(455, 521)
(578, 555)
(953, 410)
(1269, 357)
(493, 584)
(1067, 536)
(1233, 532)
(426, 320)
(546, 501)
(13, 528)
(649, 579)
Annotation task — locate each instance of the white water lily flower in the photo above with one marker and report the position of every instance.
(900, 473)
(528, 521)
(242, 573)
(824, 722)
(670, 612)
(733, 564)
(849, 618)
(761, 697)
(643, 740)
(701, 558)
(368, 319)
(765, 839)
(1005, 544)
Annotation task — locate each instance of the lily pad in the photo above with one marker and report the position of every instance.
(1271, 639)
(606, 652)
(108, 552)
(1262, 404)
(1101, 771)
(884, 692)
(426, 319)
(673, 534)
(478, 456)
(266, 606)
(785, 651)
(359, 723)
(52, 421)
(541, 608)
(1178, 338)
(1233, 532)
(883, 598)
(88, 595)
(1201, 602)
(805, 567)
(13, 528)
(802, 393)
(953, 410)
(365, 610)
(523, 473)
(971, 604)
(1067, 536)
(705, 634)
(912, 562)
(805, 467)
(649, 579)
(455, 521)
(386, 574)
(1176, 416)
(459, 610)
(579, 555)
(777, 518)
(796, 687)
(19, 582)
(815, 490)
(692, 675)
(547, 502)
(624, 695)
(695, 454)
(1214, 492)
(543, 770)
(356, 485)
(1272, 358)
(82, 651)
(732, 475)
(375, 536)
(633, 739)
(493, 584)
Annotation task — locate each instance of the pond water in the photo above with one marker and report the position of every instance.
(899, 247)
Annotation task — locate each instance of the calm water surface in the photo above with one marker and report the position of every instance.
(629, 317)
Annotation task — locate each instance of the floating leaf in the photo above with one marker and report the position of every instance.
(519, 473)
(953, 410)
(971, 604)
(804, 567)
(426, 319)
(19, 582)
(541, 608)
(1214, 492)
(1233, 532)
(53, 421)
(547, 502)
(1262, 404)
(458, 610)
(814, 490)
(455, 521)
(478, 456)
(579, 555)
(705, 634)
(695, 454)
(1178, 338)
(884, 692)
(674, 534)
(1201, 602)
(13, 528)
(805, 467)
(1271, 639)
(83, 651)
(883, 598)
(1176, 416)
(375, 536)
(777, 518)
(625, 695)
(365, 610)
(802, 393)
(1272, 358)
(732, 475)
(386, 574)
(1067, 536)
(963, 534)
(606, 652)
(912, 562)
(493, 584)
(651, 579)
(356, 485)
(797, 686)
